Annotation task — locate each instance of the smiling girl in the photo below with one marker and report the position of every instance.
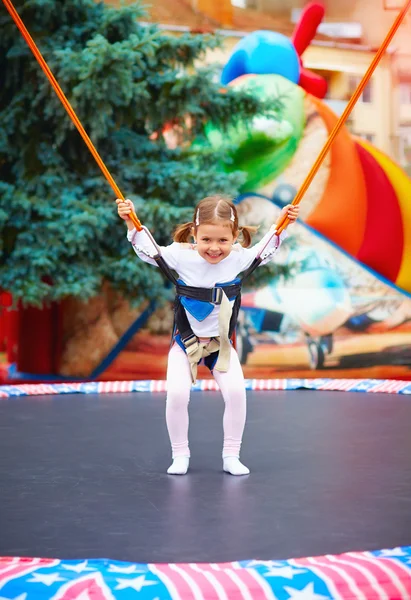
(207, 304)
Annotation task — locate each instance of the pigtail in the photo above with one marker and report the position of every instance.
(183, 233)
(247, 231)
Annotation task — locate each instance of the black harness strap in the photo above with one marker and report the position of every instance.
(256, 263)
(213, 295)
(237, 303)
(165, 269)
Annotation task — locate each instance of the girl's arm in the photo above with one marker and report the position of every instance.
(270, 243)
(142, 242)
(266, 247)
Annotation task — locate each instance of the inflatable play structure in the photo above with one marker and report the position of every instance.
(366, 196)
(363, 201)
(354, 256)
(351, 251)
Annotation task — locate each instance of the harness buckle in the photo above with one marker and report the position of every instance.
(189, 341)
(217, 295)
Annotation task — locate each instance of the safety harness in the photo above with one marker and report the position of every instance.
(216, 351)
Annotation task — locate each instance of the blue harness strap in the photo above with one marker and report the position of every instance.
(201, 301)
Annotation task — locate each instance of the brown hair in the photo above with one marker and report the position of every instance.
(213, 210)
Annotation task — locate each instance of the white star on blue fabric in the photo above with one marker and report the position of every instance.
(136, 584)
(46, 579)
(264, 563)
(362, 386)
(79, 567)
(126, 570)
(307, 593)
(393, 552)
(285, 572)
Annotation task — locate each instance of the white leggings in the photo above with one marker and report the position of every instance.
(232, 387)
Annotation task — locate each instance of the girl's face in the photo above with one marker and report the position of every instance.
(214, 242)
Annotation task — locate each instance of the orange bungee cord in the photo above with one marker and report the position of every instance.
(284, 221)
(31, 44)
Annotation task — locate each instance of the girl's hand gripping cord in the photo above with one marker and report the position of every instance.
(124, 210)
(291, 211)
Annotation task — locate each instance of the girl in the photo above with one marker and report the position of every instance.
(207, 303)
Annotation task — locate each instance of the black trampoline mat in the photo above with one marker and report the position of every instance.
(85, 477)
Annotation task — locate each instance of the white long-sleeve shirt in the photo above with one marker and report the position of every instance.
(195, 271)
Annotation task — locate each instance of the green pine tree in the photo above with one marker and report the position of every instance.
(59, 232)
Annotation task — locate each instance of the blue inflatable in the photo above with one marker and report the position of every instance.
(263, 52)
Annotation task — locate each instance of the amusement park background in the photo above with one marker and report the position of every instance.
(227, 107)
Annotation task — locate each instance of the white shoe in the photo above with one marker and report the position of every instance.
(233, 465)
(179, 465)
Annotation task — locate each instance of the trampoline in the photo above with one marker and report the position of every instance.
(84, 477)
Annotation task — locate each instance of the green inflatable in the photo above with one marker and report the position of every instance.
(264, 148)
